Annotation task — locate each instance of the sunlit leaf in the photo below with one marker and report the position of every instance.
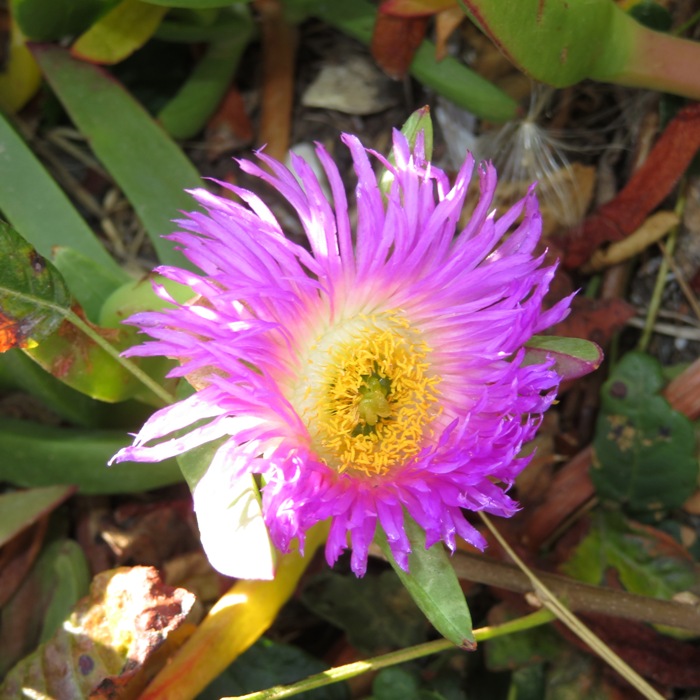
(90, 283)
(78, 361)
(645, 457)
(229, 515)
(39, 455)
(20, 77)
(116, 35)
(30, 199)
(110, 642)
(236, 622)
(119, 129)
(434, 586)
(33, 295)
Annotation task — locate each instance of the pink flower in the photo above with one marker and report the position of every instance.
(375, 372)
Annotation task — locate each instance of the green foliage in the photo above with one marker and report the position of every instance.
(42, 213)
(641, 558)
(375, 611)
(433, 585)
(122, 134)
(267, 664)
(44, 21)
(40, 455)
(645, 457)
(33, 296)
(449, 77)
(186, 114)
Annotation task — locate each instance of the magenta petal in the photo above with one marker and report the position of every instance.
(273, 331)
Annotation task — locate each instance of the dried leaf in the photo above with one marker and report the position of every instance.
(395, 41)
(113, 642)
(646, 189)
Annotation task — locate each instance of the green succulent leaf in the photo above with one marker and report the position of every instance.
(117, 128)
(36, 455)
(46, 21)
(433, 585)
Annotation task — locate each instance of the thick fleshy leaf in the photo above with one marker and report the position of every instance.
(573, 357)
(229, 515)
(108, 646)
(39, 455)
(30, 198)
(18, 372)
(89, 282)
(44, 21)
(117, 128)
(449, 77)
(20, 509)
(20, 77)
(562, 43)
(116, 35)
(187, 113)
(434, 586)
(78, 361)
(33, 296)
(645, 457)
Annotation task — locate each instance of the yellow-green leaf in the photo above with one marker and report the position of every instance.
(119, 33)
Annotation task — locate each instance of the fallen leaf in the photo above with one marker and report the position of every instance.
(113, 643)
(646, 189)
(595, 319)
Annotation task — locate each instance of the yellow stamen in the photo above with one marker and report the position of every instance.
(368, 395)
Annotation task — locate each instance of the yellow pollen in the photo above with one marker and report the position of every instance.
(368, 395)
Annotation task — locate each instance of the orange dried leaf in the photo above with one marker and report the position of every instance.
(395, 41)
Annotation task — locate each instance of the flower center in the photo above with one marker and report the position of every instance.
(369, 396)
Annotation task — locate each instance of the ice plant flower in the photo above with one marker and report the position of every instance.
(374, 371)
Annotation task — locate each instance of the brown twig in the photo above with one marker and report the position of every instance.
(279, 40)
(579, 597)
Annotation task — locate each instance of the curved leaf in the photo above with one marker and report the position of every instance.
(33, 296)
(114, 37)
(36, 455)
(433, 585)
(118, 129)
